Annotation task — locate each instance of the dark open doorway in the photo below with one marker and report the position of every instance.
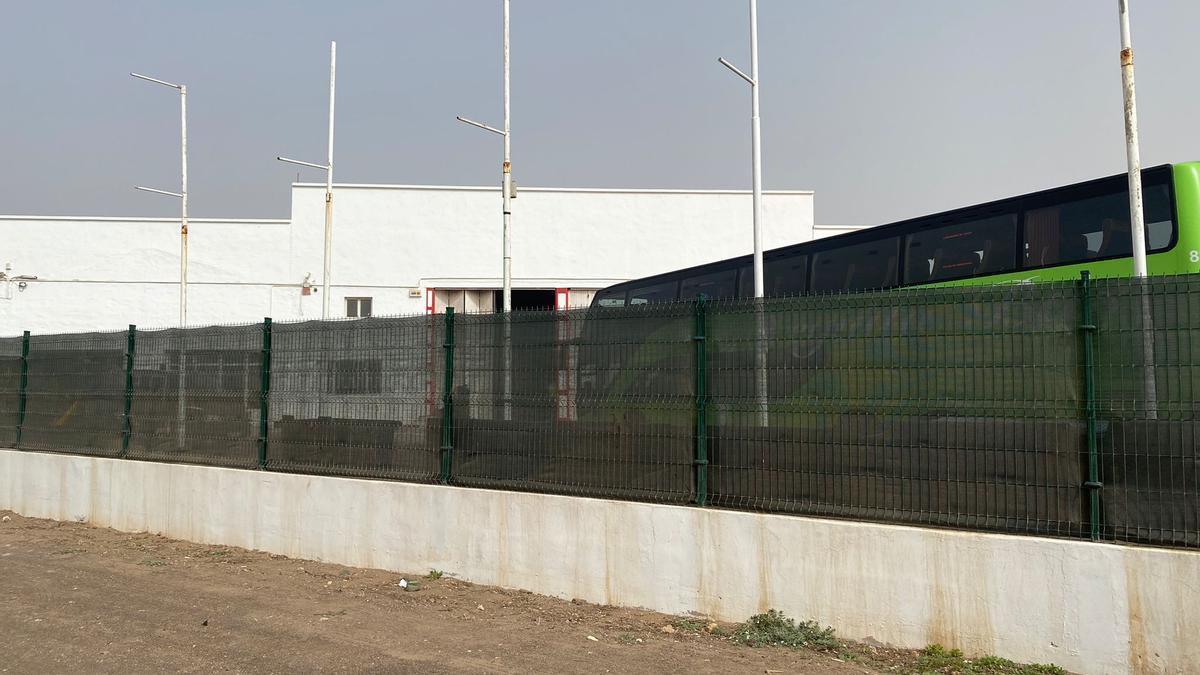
(525, 299)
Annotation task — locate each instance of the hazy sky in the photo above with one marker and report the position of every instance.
(887, 109)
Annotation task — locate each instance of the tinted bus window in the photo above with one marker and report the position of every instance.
(781, 277)
(715, 285)
(786, 276)
(660, 292)
(612, 297)
(856, 268)
(970, 249)
(1096, 227)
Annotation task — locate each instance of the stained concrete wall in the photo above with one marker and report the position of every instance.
(1095, 608)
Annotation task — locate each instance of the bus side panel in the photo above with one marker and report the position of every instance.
(1187, 209)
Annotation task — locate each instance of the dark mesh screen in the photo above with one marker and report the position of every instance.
(10, 373)
(196, 395)
(596, 403)
(951, 407)
(75, 396)
(357, 397)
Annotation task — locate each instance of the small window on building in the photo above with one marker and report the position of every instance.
(1096, 227)
(356, 376)
(358, 307)
(661, 292)
(962, 250)
(714, 285)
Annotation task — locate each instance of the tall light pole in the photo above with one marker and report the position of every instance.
(760, 355)
(506, 168)
(182, 194)
(181, 398)
(328, 168)
(1136, 213)
(755, 145)
(1132, 152)
(506, 189)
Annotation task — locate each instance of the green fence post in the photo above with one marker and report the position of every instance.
(448, 399)
(700, 338)
(264, 394)
(22, 388)
(1093, 484)
(126, 421)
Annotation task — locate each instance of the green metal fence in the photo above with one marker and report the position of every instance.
(1022, 408)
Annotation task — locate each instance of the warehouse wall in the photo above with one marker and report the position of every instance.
(389, 243)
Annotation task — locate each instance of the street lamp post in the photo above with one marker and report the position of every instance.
(1132, 151)
(1136, 212)
(506, 190)
(756, 205)
(328, 168)
(181, 394)
(506, 170)
(182, 194)
(755, 145)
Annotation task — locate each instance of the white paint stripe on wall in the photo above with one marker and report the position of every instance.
(1088, 607)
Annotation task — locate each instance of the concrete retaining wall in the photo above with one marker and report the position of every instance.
(1086, 607)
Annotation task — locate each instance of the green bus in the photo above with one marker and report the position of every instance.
(1044, 236)
(950, 406)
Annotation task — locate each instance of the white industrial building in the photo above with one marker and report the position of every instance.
(408, 249)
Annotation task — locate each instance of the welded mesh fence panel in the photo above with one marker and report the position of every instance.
(195, 395)
(10, 383)
(595, 402)
(953, 407)
(1149, 421)
(75, 395)
(357, 397)
(963, 407)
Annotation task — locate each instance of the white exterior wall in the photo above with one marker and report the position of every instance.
(1094, 608)
(388, 241)
(822, 231)
(401, 238)
(105, 273)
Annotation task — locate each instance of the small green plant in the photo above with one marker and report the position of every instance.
(937, 659)
(1041, 669)
(153, 562)
(434, 575)
(993, 663)
(775, 628)
(688, 625)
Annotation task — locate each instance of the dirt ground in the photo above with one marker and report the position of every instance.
(78, 598)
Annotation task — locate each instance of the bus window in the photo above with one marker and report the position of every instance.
(660, 292)
(1096, 227)
(610, 297)
(715, 285)
(746, 281)
(856, 268)
(782, 276)
(963, 250)
(786, 276)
